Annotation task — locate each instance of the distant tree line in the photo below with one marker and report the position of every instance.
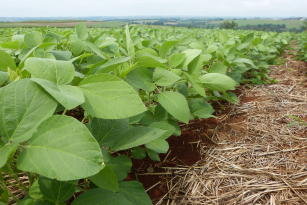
(227, 24)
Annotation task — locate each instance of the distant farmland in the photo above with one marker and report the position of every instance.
(62, 24)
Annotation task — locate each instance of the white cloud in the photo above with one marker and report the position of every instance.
(32, 8)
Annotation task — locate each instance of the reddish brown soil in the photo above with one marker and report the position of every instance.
(183, 152)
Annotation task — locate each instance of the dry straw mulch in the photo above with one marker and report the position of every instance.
(261, 151)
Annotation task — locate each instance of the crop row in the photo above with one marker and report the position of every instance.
(77, 105)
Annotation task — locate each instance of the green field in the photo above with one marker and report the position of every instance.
(80, 105)
(62, 23)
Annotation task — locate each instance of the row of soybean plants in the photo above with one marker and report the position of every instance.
(77, 104)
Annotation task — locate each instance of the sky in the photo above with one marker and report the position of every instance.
(75, 8)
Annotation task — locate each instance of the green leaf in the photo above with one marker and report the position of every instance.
(244, 61)
(163, 77)
(62, 149)
(136, 136)
(166, 47)
(153, 155)
(4, 77)
(109, 65)
(150, 61)
(59, 72)
(130, 193)
(176, 59)
(56, 191)
(190, 54)
(77, 46)
(29, 201)
(5, 152)
(105, 131)
(106, 179)
(100, 196)
(175, 104)
(68, 96)
(138, 153)
(34, 191)
(129, 43)
(109, 97)
(62, 55)
(141, 78)
(196, 84)
(135, 192)
(158, 145)
(218, 81)
(23, 107)
(6, 61)
(200, 108)
(121, 165)
(218, 68)
(95, 49)
(33, 39)
(81, 31)
(196, 65)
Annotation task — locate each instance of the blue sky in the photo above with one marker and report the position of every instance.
(251, 8)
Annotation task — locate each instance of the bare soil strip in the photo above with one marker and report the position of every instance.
(260, 156)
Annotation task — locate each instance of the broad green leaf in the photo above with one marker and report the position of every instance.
(245, 61)
(5, 152)
(6, 61)
(138, 153)
(118, 135)
(4, 77)
(136, 136)
(175, 104)
(166, 47)
(106, 130)
(29, 201)
(196, 84)
(141, 78)
(34, 191)
(218, 81)
(129, 43)
(196, 65)
(158, 145)
(33, 39)
(67, 95)
(62, 55)
(218, 68)
(166, 125)
(77, 46)
(81, 31)
(130, 193)
(200, 108)
(163, 77)
(176, 59)
(121, 165)
(134, 192)
(150, 61)
(62, 148)
(23, 107)
(100, 196)
(109, 97)
(56, 191)
(95, 49)
(154, 156)
(190, 55)
(111, 64)
(106, 179)
(59, 72)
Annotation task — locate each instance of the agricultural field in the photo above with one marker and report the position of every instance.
(292, 23)
(114, 116)
(61, 24)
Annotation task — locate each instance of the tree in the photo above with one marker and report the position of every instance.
(228, 25)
